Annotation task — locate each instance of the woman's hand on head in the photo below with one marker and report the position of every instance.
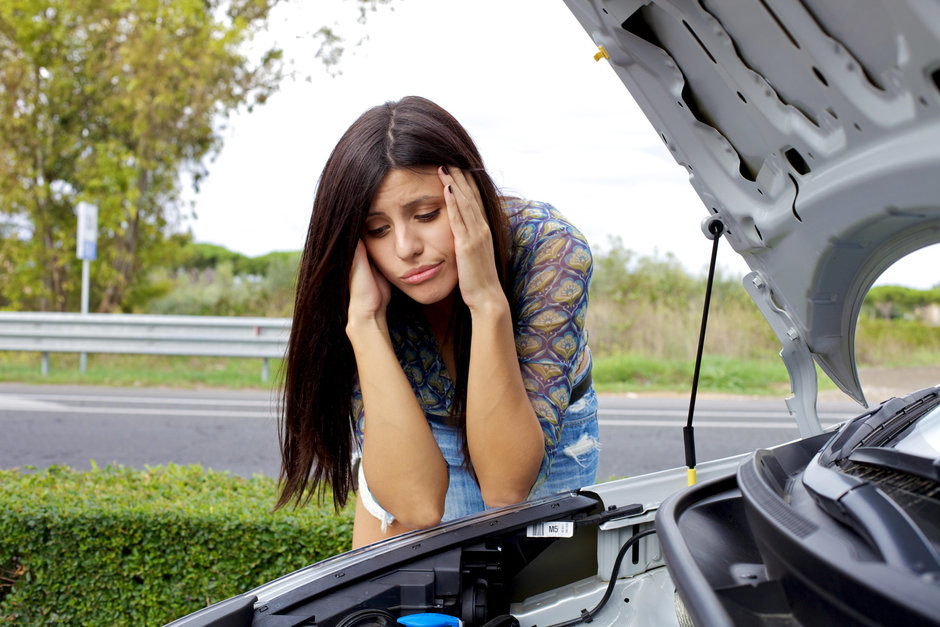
(473, 242)
(369, 291)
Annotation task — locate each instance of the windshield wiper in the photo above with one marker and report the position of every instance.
(879, 426)
(874, 516)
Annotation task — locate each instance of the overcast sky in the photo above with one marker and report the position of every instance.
(551, 123)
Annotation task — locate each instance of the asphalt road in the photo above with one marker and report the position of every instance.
(236, 431)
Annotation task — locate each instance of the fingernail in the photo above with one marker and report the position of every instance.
(450, 189)
(444, 170)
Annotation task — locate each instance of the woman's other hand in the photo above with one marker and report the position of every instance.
(504, 437)
(369, 291)
(473, 243)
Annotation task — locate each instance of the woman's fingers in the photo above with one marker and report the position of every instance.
(457, 225)
(359, 276)
(464, 201)
(463, 189)
(473, 244)
(355, 271)
(369, 291)
(464, 210)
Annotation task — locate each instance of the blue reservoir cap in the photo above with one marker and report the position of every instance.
(429, 620)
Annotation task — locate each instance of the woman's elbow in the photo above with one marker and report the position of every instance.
(509, 486)
(423, 516)
(501, 496)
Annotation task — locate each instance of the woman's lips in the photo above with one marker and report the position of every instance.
(421, 274)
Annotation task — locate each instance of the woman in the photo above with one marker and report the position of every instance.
(438, 334)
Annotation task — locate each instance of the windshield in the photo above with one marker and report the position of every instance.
(922, 438)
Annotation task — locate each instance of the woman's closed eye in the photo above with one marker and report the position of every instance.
(383, 229)
(427, 217)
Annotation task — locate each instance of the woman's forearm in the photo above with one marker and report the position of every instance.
(503, 433)
(404, 468)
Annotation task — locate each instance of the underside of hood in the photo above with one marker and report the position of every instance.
(810, 128)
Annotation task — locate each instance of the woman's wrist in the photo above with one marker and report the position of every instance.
(494, 307)
(366, 328)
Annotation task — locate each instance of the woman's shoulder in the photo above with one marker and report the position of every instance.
(523, 209)
(532, 221)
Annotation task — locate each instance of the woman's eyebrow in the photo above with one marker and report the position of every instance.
(411, 204)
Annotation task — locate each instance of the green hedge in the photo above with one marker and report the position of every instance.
(118, 546)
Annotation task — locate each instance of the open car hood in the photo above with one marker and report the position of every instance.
(811, 130)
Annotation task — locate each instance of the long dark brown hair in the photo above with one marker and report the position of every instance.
(315, 424)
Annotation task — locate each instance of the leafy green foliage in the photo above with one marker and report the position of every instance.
(216, 281)
(645, 316)
(894, 301)
(897, 342)
(201, 257)
(107, 102)
(651, 307)
(117, 546)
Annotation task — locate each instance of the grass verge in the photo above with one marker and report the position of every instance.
(140, 371)
(618, 374)
(621, 374)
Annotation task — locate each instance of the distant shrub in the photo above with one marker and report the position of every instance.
(896, 343)
(206, 256)
(125, 547)
(651, 307)
(895, 301)
(231, 285)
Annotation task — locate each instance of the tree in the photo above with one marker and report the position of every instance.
(895, 301)
(107, 102)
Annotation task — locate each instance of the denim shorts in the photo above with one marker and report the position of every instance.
(573, 465)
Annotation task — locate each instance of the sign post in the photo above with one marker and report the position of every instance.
(87, 245)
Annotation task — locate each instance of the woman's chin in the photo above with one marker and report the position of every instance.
(426, 297)
(431, 300)
(429, 293)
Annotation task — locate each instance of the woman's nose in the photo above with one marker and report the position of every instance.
(407, 244)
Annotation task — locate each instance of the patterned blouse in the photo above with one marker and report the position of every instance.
(551, 266)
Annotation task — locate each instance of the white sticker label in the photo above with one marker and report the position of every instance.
(564, 529)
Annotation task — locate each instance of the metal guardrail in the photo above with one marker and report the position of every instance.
(208, 336)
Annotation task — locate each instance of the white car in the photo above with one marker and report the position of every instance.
(811, 131)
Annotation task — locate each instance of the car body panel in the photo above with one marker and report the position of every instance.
(811, 129)
(812, 532)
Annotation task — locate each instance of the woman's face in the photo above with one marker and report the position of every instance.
(408, 236)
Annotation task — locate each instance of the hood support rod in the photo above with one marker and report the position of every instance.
(713, 228)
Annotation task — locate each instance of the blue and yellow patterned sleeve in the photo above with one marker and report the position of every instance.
(358, 411)
(552, 266)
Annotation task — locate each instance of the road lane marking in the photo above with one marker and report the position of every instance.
(712, 413)
(706, 424)
(6, 400)
(141, 411)
(18, 403)
(605, 422)
(618, 417)
(179, 400)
